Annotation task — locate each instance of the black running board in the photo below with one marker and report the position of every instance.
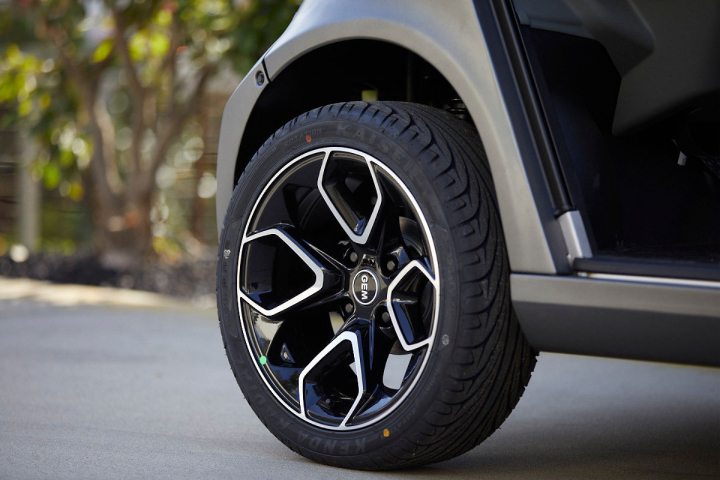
(648, 268)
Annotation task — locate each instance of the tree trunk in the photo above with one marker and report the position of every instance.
(199, 204)
(124, 236)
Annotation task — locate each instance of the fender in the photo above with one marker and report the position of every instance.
(452, 41)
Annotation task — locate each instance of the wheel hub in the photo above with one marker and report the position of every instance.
(365, 286)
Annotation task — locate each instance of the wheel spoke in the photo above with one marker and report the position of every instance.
(314, 391)
(397, 235)
(368, 361)
(291, 344)
(406, 304)
(351, 191)
(309, 274)
(376, 351)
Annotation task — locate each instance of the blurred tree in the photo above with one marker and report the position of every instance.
(109, 86)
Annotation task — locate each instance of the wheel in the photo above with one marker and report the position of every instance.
(363, 288)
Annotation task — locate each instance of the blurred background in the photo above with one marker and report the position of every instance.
(109, 120)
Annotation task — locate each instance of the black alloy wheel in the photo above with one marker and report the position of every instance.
(341, 293)
(337, 289)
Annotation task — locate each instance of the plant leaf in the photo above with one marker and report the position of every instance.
(103, 50)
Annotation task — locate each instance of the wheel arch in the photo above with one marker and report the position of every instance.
(325, 37)
(391, 71)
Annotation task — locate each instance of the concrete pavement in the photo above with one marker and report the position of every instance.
(90, 388)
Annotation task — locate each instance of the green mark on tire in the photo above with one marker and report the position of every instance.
(263, 360)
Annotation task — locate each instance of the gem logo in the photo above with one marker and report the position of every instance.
(364, 278)
(365, 286)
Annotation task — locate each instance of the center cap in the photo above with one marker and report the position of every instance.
(365, 286)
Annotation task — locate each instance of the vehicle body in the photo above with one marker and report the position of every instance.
(600, 121)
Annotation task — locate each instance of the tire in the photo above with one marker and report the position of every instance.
(444, 307)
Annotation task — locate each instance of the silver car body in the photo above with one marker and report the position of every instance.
(559, 310)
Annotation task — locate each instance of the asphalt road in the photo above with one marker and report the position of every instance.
(92, 389)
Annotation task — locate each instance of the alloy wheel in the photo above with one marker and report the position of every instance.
(338, 288)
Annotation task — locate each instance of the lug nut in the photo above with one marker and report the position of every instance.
(391, 265)
(354, 257)
(349, 308)
(385, 317)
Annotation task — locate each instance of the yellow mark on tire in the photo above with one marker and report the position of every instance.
(386, 433)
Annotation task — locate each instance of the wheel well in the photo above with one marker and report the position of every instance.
(340, 72)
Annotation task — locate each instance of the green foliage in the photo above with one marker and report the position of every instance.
(87, 77)
(43, 96)
(36, 87)
(103, 50)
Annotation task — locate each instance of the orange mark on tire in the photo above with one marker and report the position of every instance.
(308, 139)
